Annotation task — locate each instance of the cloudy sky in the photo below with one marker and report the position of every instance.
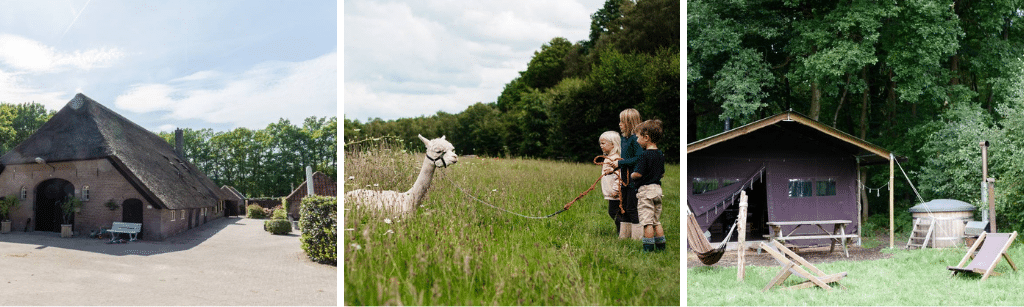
(165, 64)
(411, 58)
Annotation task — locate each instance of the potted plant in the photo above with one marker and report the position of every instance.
(7, 204)
(68, 207)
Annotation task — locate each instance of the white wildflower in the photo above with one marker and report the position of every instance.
(387, 221)
(389, 232)
(351, 177)
(356, 246)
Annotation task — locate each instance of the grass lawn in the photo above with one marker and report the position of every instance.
(910, 277)
(456, 251)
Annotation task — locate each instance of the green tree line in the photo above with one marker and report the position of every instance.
(269, 162)
(926, 79)
(570, 92)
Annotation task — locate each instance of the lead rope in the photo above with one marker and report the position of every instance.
(564, 208)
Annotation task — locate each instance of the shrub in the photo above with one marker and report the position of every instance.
(279, 213)
(256, 212)
(319, 223)
(278, 226)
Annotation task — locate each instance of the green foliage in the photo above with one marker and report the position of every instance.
(19, 121)
(457, 251)
(319, 223)
(7, 204)
(279, 213)
(277, 226)
(952, 156)
(265, 162)
(68, 207)
(256, 212)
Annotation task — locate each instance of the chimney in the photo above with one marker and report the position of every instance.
(728, 124)
(179, 143)
(309, 181)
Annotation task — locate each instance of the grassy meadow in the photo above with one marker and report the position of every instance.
(457, 251)
(909, 278)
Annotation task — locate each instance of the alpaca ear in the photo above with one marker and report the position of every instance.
(425, 140)
(442, 137)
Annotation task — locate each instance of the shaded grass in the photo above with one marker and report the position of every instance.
(910, 277)
(456, 251)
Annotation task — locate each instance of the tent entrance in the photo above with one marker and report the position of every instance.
(757, 216)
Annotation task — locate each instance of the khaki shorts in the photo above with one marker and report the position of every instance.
(649, 204)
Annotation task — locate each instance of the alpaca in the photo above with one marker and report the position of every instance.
(440, 153)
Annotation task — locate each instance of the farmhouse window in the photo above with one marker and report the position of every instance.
(24, 193)
(85, 193)
(799, 188)
(826, 187)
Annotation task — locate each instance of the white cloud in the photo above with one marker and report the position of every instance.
(14, 90)
(253, 99)
(441, 55)
(31, 56)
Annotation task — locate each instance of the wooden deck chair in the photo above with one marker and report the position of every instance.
(992, 247)
(813, 276)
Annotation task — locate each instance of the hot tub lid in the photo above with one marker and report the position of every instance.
(942, 205)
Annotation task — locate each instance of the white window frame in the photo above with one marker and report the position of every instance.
(85, 193)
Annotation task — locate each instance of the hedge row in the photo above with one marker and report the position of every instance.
(319, 223)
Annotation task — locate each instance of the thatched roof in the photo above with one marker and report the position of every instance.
(86, 130)
(232, 193)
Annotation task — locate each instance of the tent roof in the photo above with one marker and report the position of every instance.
(811, 133)
(86, 130)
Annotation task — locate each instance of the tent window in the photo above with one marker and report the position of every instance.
(799, 188)
(704, 185)
(826, 187)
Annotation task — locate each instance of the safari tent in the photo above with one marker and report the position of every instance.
(793, 169)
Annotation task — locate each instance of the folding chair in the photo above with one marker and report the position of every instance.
(992, 246)
(813, 276)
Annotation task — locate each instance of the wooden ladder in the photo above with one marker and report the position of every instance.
(921, 233)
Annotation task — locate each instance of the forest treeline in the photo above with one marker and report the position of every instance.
(569, 94)
(267, 162)
(926, 79)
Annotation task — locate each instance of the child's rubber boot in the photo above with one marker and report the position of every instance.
(648, 245)
(659, 243)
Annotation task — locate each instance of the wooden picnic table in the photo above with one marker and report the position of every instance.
(838, 233)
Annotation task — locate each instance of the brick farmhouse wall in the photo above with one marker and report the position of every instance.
(104, 183)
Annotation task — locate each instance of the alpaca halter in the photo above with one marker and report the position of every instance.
(439, 157)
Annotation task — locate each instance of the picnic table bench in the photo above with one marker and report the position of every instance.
(837, 235)
(132, 229)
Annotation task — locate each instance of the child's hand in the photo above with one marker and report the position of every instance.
(613, 164)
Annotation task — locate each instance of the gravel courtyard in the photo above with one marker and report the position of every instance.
(229, 261)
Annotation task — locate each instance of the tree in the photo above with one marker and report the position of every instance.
(546, 67)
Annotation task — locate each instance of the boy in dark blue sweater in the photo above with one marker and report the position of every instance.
(650, 167)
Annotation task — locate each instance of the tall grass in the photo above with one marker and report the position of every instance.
(456, 251)
(909, 278)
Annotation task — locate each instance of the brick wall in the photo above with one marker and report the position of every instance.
(104, 183)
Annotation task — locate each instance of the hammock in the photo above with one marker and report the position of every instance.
(700, 245)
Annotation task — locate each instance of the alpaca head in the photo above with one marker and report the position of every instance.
(440, 151)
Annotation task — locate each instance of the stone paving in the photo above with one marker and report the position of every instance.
(229, 261)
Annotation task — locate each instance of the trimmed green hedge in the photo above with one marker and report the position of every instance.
(319, 223)
(278, 226)
(280, 213)
(255, 212)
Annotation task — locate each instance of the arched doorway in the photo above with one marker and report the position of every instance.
(49, 195)
(131, 212)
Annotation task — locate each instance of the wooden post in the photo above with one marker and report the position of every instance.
(741, 250)
(892, 201)
(992, 204)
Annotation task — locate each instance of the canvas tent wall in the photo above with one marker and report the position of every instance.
(808, 170)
